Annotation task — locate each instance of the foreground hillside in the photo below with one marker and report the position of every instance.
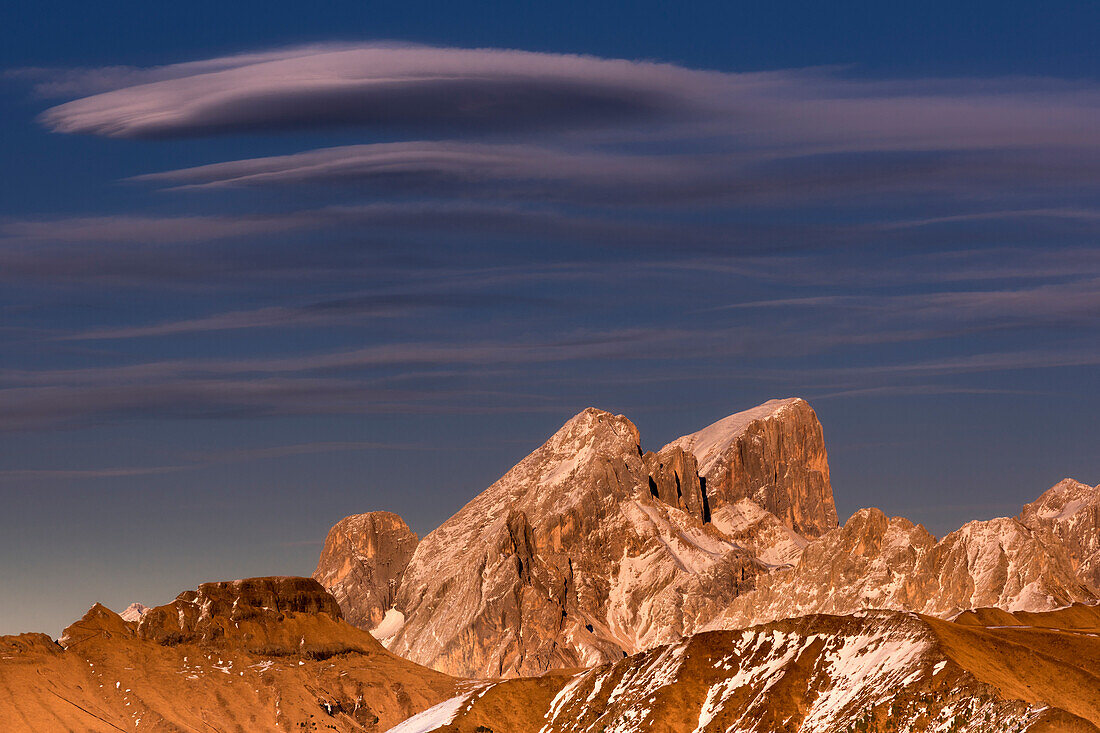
(272, 654)
(592, 549)
(881, 671)
(266, 654)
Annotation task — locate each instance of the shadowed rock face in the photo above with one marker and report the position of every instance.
(362, 563)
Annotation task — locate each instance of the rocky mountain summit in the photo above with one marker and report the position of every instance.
(773, 455)
(601, 587)
(592, 549)
(134, 612)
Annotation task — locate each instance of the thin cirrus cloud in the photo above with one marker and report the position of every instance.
(204, 460)
(1063, 303)
(328, 383)
(329, 312)
(464, 169)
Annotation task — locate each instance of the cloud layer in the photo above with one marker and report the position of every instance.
(443, 228)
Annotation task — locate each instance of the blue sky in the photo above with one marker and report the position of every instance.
(262, 270)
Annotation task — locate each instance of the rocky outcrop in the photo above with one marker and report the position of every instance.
(1000, 563)
(362, 563)
(1070, 512)
(265, 615)
(775, 456)
(100, 622)
(134, 612)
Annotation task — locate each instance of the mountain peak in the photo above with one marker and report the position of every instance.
(362, 563)
(134, 612)
(1070, 511)
(596, 427)
(99, 621)
(773, 454)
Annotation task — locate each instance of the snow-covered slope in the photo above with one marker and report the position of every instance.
(134, 612)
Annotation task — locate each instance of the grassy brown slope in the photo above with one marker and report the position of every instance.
(109, 679)
(1036, 658)
(516, 705)
(1077, 617)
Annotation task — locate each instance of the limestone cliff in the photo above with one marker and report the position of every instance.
(362, 563)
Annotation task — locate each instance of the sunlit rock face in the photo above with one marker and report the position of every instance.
(592, 548)
(272, 615)
(773, 455)
(873, 671)
(1070, 512)
(875, 561)
(259, 654)
(362, 563)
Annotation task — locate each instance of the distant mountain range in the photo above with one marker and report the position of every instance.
(600, 588)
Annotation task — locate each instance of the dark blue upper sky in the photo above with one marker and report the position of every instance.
(263, 267)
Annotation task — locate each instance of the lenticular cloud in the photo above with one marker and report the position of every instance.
(384, 86)
(415, 92)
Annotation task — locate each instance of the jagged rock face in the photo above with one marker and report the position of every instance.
(775, 456)
(1000, 563)
(99, 621)
(362, 563)
(880, 671)
(878, 562)
(870, 562)
(1070, 511)
(590, 548)
(587, 550)
(674, 479)
(760, 532)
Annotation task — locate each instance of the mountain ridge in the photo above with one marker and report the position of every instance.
(591, 548)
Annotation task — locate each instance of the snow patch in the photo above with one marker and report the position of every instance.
(434, 717)
(388, 627)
